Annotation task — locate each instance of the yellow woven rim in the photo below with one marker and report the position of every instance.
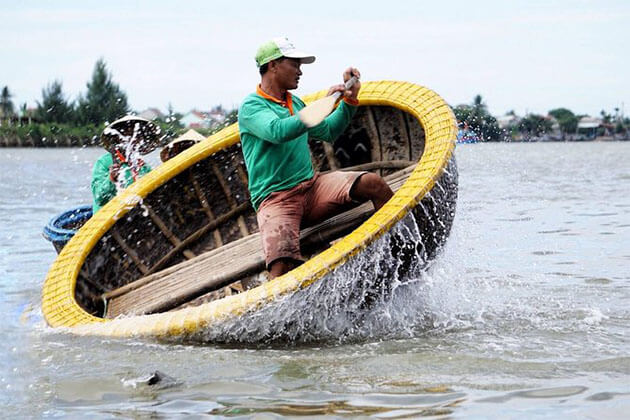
(60, 308)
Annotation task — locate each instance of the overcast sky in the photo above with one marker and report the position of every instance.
(524, 56)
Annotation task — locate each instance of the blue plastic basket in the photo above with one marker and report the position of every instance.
(62, 227)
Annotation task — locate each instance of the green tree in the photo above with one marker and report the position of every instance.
(479, 119)
(535, 125)
(104, 100)
(567, 120)
(54, 107)
(620, 128)
(6, 105)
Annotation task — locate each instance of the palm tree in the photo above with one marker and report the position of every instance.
(479, 119)
(6, 105)
(478, 102)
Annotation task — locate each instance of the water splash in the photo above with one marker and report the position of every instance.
(131, 156)
(379, 294)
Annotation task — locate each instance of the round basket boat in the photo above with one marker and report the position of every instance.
(179, 251)
(64, 226)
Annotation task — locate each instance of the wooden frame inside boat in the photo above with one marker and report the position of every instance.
(179, 249)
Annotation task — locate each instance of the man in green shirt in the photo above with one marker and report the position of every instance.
(284, 189)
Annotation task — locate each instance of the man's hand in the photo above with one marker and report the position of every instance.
(351, 93)
(336, 88)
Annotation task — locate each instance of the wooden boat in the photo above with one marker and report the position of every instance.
(179, 250)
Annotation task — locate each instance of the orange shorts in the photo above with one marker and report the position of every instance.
(282, 214)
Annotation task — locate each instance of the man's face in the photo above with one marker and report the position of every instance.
(288, 72)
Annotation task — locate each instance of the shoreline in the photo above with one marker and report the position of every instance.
(89, 143)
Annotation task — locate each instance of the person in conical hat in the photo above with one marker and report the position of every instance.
(125, 140)
(181, 143)
(139, 133)
(285, 190)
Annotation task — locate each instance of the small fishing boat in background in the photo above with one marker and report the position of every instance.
(179, 250)
(467, 136)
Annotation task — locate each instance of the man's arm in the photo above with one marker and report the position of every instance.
(334, 124)
(256, 118)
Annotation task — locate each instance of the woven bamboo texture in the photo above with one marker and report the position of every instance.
(61, 309)
(222, 266)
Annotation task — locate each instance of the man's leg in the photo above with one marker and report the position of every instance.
(339, 191)
(370, 186)
(282, 266)
(279, 219)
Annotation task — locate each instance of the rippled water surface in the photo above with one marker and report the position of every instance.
(525, 315)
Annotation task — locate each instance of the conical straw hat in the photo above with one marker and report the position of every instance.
(148, 133)
(186, 140)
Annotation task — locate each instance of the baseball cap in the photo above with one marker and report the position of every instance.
(281, 47)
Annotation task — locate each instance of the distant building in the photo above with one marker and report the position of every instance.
(196, 119)
(589, 122)
(217, 114)
(507, 121)
(151, 114)
(23, 117)
(204, 119)
(589, 126)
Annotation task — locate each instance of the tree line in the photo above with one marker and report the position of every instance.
(475, 116)
(103, 101)
(57, 120)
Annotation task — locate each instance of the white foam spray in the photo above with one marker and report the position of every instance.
(372, 296)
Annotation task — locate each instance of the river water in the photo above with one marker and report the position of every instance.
(529, 307)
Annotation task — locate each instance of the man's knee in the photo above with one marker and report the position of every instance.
(370, 186)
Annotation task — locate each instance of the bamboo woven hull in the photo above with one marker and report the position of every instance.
(197, 204)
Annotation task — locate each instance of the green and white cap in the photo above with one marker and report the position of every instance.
(281, 47)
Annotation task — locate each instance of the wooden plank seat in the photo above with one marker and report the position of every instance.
(221, 267)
